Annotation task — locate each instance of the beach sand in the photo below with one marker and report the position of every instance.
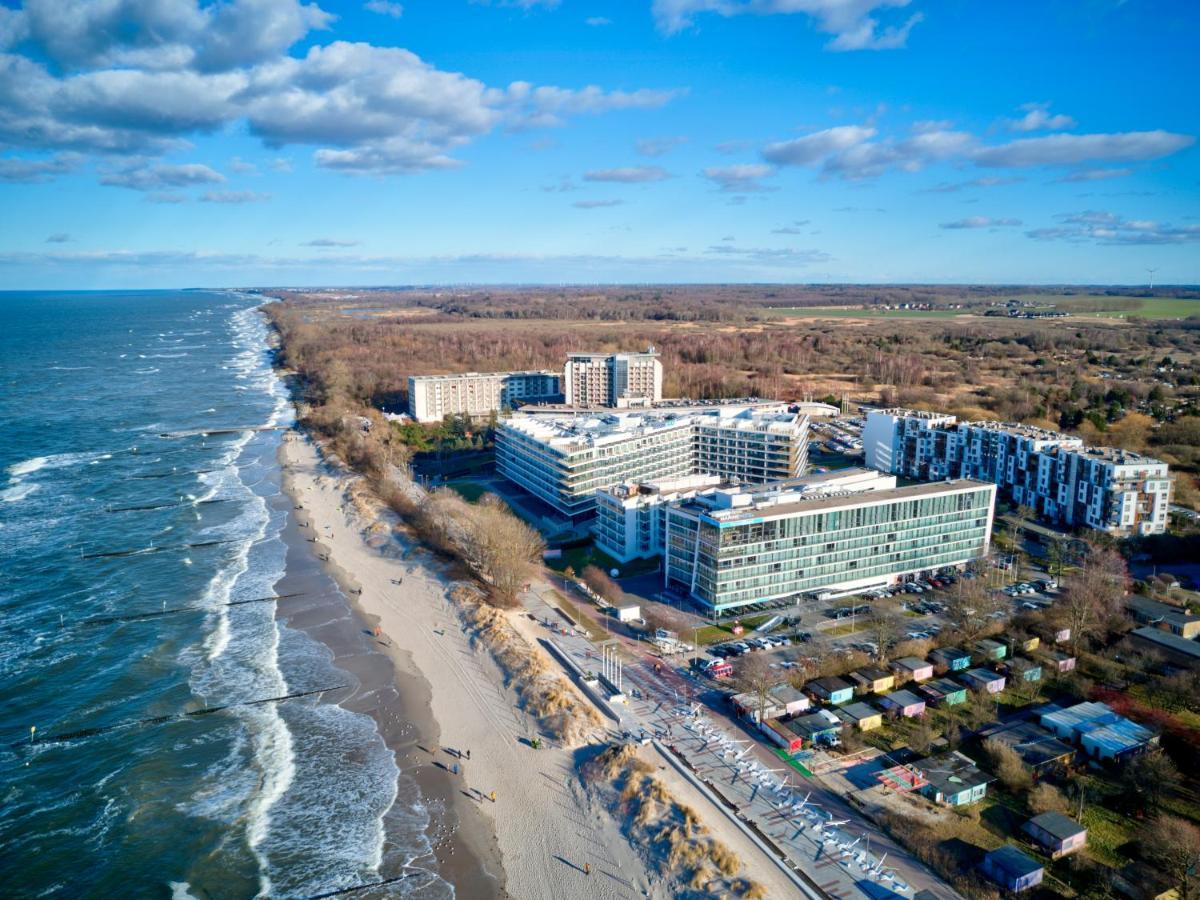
(534, 840)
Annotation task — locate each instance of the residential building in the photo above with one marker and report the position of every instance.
(791, 699)
(616, 380)
(1175, 619)
(1012, 869)
(1116, 491)
(477, 394)
(912, 668)
(830, 690)
(754, 707)
(564, 458)
(1020, 643)
(950, 659)
(1101, 733)
(862, 716)
(943, 692)
(631, 518)
(1176, 650)
(952, 779)
(873, 680)
(905, 704)
(983, 680)
(732, 548)
(1055, 833)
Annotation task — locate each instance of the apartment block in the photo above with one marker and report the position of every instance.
(726, 549)
(433, 397)
(617, 380)
(565, 458)
(1065, 482)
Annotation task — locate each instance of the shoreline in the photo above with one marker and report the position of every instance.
(394, 692)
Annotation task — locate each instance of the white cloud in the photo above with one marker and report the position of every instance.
(144, 177)
(22, 169)
(659, 146)
(1038, 118)
(739, 179)
(981, 222)
(853, 23)
(1094, 175)
(1100, 227)
(384, 8)
(783, 256)
(59, 237)
(795, 228)
(597, 21)
(139, 77)
(596, 204)
(1072, 149)
(329, 242)
(982, 182)
(241, 167)
(629, 174)
(234, 197)
(850, 151)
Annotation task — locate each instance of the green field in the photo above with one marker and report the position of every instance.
(852, 312)
(1109, 307)
(470, 491)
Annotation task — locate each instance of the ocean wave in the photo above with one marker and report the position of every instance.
(18, 471)
(16, 493)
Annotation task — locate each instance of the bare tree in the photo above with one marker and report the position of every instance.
(883, 628)
(754, 676)
(1094, 596)
(1174, 844)
(1045, 797)
(969, 603)
(1008, 765)
(600, 582)
(507, 550)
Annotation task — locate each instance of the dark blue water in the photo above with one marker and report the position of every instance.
(256, 800)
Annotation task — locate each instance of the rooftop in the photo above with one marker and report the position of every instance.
(789, 503)
(1169, 641)
(1035, 745)
(952, 773)
(856, 712)
(904, 698)
(1165, 612)
(1057, 825)
(453, 375)
(1013, 862)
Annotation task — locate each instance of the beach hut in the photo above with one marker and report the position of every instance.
(912, 668)
(792, 700)
(1055, 833)
(862, 716)
(1021, 668)
(830, 690)
(903, 703)
(1019, 643)
(819, 729)
(872, 680)
(1059, 661)
(983, 680)
(751, 706)
(990, 651)
(943, 691)
(950, 659)
(953, 779)
(786, 738)
(1012, 869)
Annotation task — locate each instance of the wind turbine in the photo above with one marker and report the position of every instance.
(1151, 271)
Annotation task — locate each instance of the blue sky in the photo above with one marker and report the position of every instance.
(162, 143)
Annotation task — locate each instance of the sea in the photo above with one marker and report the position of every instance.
(144, 747)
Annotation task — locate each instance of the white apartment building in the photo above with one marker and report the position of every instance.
(617, 380)
(731, 548)
(433, 397)
(1115, 491)
(565, 458)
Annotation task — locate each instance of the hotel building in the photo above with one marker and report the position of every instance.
(564, 459)
(433, 397)
(730, 548)
(616, 380)
(1115, 491)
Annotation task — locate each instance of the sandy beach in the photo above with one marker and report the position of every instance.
(543, 832)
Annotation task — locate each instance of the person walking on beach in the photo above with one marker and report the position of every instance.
(468, 754)
(587, 868)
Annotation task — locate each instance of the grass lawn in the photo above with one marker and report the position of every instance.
(470, 491)
(714, 634)
(843, 630)
(1120, 307)
(851, 312)
(1107, 832)
(578, 558)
